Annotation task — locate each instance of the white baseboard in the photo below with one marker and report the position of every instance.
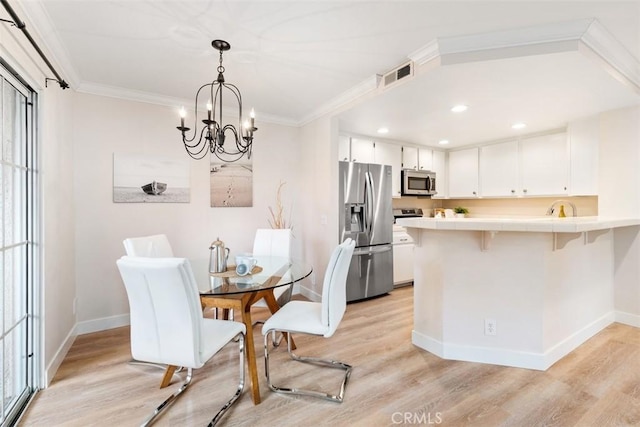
(576, 339)
(628, 319)
(50, 371)
(102, 324)
(312, 295)
(505, 357)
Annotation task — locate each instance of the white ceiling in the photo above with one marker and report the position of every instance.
(294, 59)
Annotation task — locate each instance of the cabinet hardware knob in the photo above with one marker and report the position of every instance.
(524, 191)
(474, 193)
(513, 191)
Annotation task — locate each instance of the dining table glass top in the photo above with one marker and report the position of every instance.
(269, 272)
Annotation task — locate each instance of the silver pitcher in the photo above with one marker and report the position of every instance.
(218, 257)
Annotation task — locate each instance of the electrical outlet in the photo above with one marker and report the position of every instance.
(489, 326)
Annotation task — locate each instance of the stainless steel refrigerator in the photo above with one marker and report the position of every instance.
(366, 216)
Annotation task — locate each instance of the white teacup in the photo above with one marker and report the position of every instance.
(244, 264)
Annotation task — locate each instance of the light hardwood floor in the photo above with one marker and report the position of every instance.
(393, 382)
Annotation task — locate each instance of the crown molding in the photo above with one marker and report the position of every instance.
(427, 53)
(568, 36)
(39, 24)
(166, 101)
(368, 85)
(613, 53)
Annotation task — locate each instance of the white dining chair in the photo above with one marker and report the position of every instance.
(315, 318)
(167, 325)
(153, 246)
(274, 242)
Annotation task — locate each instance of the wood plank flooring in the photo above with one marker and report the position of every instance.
(393, 382)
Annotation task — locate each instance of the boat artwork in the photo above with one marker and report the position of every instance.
(154, 188)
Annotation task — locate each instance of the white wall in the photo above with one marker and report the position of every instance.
(56, 242)
(319, 179)
(619, 186)
(104, 126)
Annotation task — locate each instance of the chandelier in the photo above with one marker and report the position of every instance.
(211, 137)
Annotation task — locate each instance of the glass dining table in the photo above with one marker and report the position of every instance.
(228, 291)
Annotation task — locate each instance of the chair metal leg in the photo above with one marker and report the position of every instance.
(240, 388)
(164, 405)
(169, 400)
(312, 360)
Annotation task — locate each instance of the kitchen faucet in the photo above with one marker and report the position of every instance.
(552, 208)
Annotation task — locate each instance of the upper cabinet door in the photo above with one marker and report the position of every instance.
(390, 154)
(410, 158)
(499, 170)
(463, 173)
(545, 165)
(344, 143)
(425, 159)
(362, 150)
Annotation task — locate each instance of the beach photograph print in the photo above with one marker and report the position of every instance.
(231, 183)
(150, 179)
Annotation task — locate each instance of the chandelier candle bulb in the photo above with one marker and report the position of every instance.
(183, 114)
(252, 114)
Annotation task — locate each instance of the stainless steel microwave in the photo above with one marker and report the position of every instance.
(418, 182)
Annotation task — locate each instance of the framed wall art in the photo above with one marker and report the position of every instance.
(150, 179)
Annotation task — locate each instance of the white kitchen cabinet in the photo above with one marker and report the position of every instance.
(403, 264)
(439, 167)
(390, 154)
(344, 148)
(410, 158)
(417, 158)
(499, 170)
(463, 173)
(545, 165)
(362, 150)
(425, 159)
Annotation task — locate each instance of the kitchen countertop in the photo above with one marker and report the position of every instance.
(527, 224)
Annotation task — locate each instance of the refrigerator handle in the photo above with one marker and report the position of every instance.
(369, 203)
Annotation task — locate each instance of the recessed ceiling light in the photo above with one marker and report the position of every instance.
(383, 130)
(518, 125)
(459, 108)
(443, 142)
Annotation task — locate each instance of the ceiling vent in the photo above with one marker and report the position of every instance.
(397, 74)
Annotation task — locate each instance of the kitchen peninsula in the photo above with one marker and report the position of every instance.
(520, 292)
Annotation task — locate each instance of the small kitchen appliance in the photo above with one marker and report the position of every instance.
(418, 182)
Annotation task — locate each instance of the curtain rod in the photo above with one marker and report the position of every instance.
(21, 25)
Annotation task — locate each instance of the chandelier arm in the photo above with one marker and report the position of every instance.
(234, 89)
(196, 154)
(240, 147)
(186, 139)
(202, 131)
